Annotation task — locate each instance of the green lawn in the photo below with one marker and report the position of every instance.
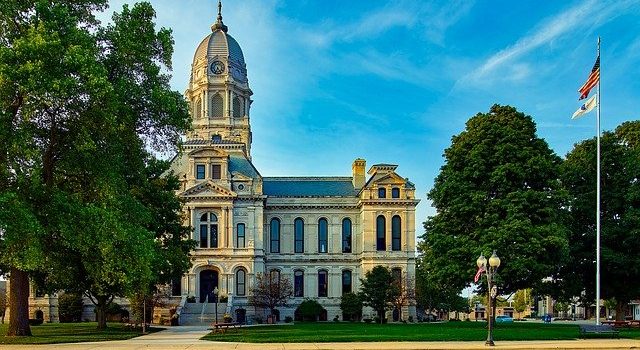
(452, 331)
(52, 333)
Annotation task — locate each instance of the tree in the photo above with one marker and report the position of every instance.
(498, 190)
(522, 301)
(378, 290)
(351, 306)
(406, 294)
(270, 291)
(309, 310)
(70, 307)
(620, 217)
(80, 105)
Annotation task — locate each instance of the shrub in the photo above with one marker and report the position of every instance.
(224, 298)
(351, 306)
(227, 318)
(309, 310)
(191, 299)
(410, 319)
(35, 321)
(259, 320)
(336, 318)
(70, 307)
(367, 320)
(288, 319)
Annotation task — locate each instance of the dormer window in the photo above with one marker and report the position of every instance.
(216, 171)
(200, 171)
(382, 192)
(395, 192)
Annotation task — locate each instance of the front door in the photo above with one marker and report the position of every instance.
(208, 282)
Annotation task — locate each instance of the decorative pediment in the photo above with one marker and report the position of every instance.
(208, 152)
(208, 189)
(389, 179)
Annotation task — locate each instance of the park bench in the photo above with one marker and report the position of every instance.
(586, 329)
(617, 324)
(223, 327)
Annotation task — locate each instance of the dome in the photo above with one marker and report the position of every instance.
(221, 44)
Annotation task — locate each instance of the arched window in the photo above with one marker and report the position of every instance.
(381, 242)
(382, 192)
(208, 230)
(240, 236)
(323, 235)
(298, 283)
(241, 276)
(238, 111)
(275, 236)
(323, 283)
(396, 273)
(346, 235)
(396, 233)
(298, 235)
(198, 109)
(395, 192)
(217, 106)
(346, 282)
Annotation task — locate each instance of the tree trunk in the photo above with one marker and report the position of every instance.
(19, 304)
(620, 309)
(381, 315)
(101, 312)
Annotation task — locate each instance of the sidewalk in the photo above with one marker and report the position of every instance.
(179, 338)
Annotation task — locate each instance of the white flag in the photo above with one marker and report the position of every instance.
(585, 108)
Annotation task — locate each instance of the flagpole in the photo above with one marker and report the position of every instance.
(598, 199)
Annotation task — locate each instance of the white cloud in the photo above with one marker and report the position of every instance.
(505, 65)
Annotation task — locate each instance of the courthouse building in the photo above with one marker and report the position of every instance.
(322, 233)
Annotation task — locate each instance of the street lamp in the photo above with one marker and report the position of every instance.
(490, 270)
(215, 292)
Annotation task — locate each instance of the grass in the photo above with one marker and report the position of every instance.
(361, 332)
(53, 333)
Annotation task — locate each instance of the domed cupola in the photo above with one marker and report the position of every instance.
(219, 95)
(221, 53)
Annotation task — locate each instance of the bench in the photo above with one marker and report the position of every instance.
(634, 323)
(586, 329)
(617, 324)
(222, 327)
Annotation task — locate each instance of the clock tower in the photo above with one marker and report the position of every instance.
(219, 96)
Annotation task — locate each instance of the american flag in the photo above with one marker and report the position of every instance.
(593, 79)
(478, 274)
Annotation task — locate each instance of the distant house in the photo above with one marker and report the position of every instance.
(634, 307)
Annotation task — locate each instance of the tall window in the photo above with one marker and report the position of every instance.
(396, 233)
(208, 230)
(346, 282)
(323, 235)
(176, 289)
(275, 277)
(346, 235)
(275, 236)
(198, 109)
(217, 106)
(298, 235)
(382, 192)
(381, 242)
(298, 283)
(216, 171)
(241, 289)
(237, 107)
(240, 236)
(199, 171)
(395, 192)
(323, 283)
(396, 273)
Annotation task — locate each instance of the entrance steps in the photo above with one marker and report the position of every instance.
(201, 314)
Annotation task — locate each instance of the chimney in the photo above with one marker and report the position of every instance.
(358, 173)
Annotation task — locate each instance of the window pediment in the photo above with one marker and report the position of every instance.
(208, 152)
(208, 189)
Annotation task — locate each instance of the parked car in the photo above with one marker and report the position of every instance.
(504, 319)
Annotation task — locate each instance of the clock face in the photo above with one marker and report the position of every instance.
(217, 67)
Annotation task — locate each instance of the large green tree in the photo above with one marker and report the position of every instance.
(378, 290)
(80, 108)
(620, 217)
(498, 190)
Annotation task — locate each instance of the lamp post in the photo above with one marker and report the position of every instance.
(215, 292)
(490, 270)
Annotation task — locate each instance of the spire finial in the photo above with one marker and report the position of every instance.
(219, 25)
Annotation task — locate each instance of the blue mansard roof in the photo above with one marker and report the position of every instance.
(308, 187)
(238, 163)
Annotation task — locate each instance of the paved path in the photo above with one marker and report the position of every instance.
(188, 338)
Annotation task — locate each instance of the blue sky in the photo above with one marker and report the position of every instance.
(392, 81)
